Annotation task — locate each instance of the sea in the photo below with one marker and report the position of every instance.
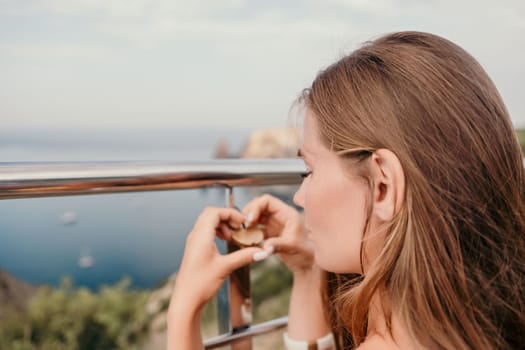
(99, 239)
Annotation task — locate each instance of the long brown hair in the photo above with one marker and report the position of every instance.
(453, 265)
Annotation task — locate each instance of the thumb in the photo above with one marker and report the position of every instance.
(243, 257)
(278, 245)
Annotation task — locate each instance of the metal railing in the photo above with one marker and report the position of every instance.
(46, 179)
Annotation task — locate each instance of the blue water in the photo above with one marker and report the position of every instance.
(138, 235)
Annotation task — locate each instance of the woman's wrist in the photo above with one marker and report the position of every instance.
(306, 324)
(184, 303)
(307, 276)
(183, 326)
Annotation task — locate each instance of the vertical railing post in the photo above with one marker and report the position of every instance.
(234, 298)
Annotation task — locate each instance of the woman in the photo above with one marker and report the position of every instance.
(414, 201)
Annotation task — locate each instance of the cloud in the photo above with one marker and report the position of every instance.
(147, 24)
(229, 44)
(56, 51)
(166, 19)
(116, 8)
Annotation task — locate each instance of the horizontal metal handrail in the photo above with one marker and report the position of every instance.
(45, 179)
(258, 329)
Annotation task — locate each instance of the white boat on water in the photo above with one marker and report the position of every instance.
(86, 260)
(68, 218)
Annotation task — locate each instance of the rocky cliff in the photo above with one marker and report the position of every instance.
(14, 293)
(271, 143)
(264, 143)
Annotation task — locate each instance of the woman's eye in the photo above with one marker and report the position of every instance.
(306, 174)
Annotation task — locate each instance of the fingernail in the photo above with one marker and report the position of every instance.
(270, 249)
(260, 255)
(249, 219)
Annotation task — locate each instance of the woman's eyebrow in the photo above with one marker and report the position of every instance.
(301, 153)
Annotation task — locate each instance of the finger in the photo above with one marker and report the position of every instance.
(291, 227)
(279, 245)
(263, 205)
(242, 257)
(211, 218)
(225, 231)
(290, 238)
(222, 232)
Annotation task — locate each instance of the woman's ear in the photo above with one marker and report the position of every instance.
(389, 184)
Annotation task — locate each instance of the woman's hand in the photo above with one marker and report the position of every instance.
(284, 226)
(202, 271)
(203, 268)
(285, 229)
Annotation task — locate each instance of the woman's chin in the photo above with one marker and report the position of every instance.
(322, 261)
(330, 263)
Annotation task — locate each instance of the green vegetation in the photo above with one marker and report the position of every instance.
(116, 317)
(271, 286)
(521, 138)
(76, 318)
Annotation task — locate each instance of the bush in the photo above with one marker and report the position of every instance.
(116, 317)
(521, 138)
(69, 318)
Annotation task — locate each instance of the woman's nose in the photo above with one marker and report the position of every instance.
(298, 197)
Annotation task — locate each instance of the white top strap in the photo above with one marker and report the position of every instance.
(324, 343)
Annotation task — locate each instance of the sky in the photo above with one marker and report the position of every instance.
(217, 63)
